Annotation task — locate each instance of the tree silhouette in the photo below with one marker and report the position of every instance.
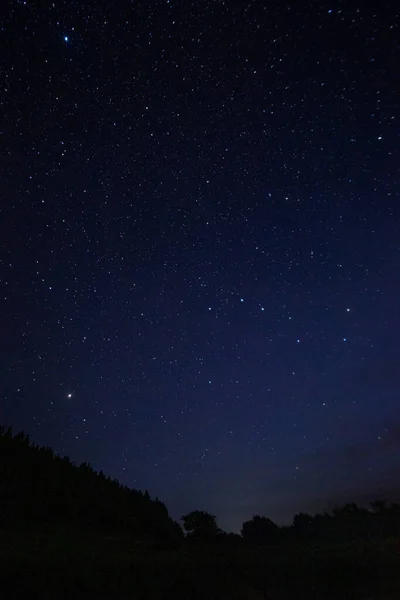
(303, 525)
(260, 530)
(200, 525)
(378, 506)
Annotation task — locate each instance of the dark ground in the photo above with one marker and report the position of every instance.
(71, 565)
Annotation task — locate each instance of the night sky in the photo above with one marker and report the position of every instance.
(200, 247)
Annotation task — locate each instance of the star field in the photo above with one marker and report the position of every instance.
(200, 247)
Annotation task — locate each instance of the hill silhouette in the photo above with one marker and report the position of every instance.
(39, 487)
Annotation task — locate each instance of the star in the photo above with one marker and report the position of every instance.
(66, 38)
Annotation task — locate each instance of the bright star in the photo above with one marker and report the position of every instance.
(69, 395)
(66, 38)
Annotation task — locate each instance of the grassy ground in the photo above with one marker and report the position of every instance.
(70, 565)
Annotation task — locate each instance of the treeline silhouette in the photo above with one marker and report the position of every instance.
(349, 523)
(38, 487)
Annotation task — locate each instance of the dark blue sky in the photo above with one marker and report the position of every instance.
(200, 248)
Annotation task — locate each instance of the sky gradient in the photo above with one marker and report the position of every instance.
(200, 248)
